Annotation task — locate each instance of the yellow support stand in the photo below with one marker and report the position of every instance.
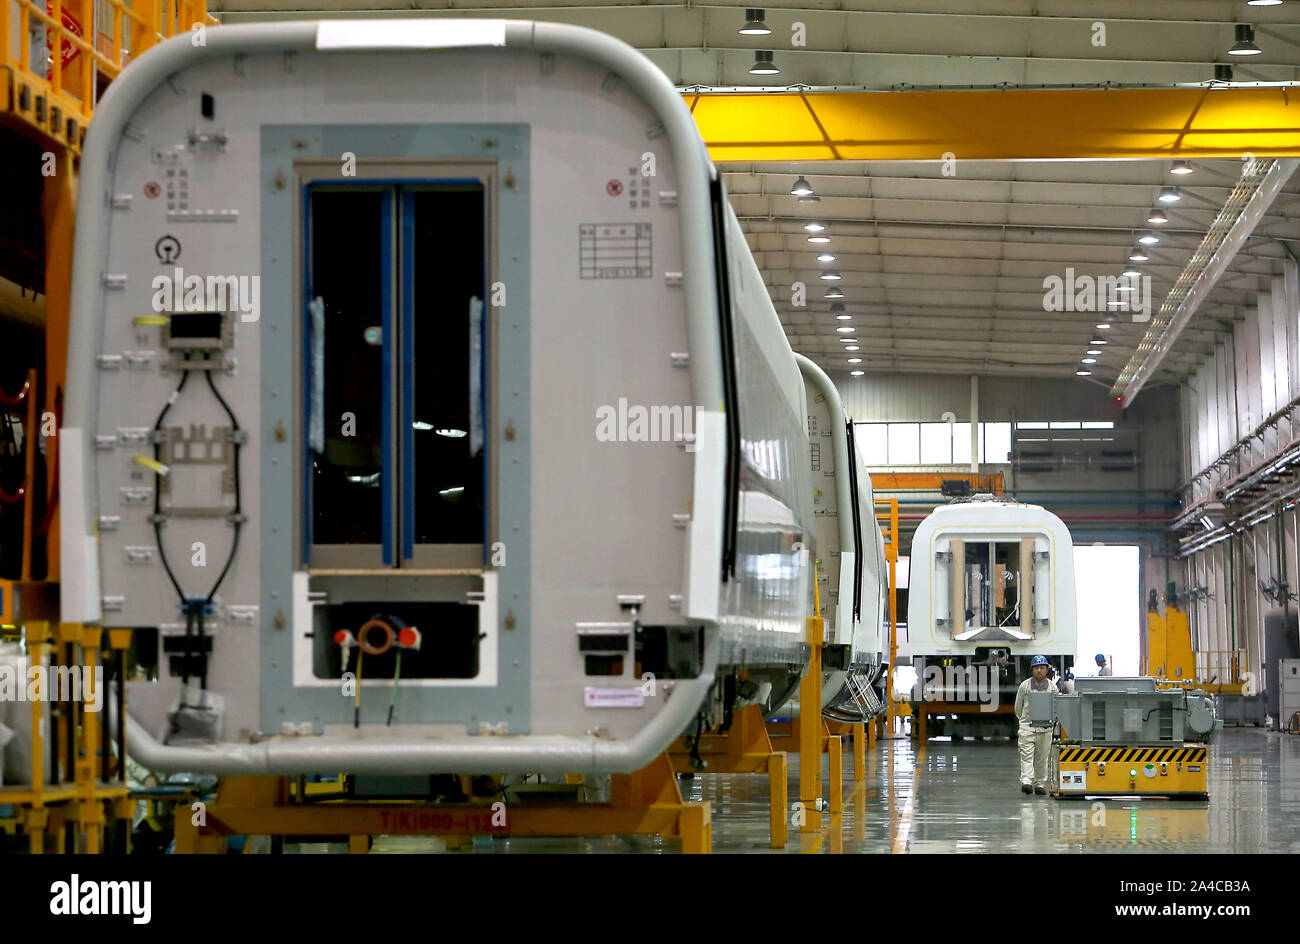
(744, 749)
(810, 732)
(647, 802)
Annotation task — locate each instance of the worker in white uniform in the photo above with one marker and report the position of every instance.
(1102, 667)
(1034, 742)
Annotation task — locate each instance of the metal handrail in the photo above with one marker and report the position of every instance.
(113, 32)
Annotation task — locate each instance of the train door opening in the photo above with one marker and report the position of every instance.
(395, 365)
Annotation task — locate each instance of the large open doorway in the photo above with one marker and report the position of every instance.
(1110, 607)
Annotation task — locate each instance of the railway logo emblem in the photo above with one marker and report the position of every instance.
(614, 188)
(167, 249)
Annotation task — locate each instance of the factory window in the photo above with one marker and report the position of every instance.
(936, 444)
(873, 439)
(997, 442)
(886, 444)
(1072, 424)
(904, 443)
(393, 374)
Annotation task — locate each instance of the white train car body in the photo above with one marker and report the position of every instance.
(852, 572)
(992, 586)
(435, 341)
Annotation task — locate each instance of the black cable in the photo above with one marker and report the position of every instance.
(195, 610)
(157, 497)
(235, 519)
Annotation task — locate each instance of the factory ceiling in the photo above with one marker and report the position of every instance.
(945, 271)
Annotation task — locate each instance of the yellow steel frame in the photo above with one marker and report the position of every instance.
(1020, 124)
(52, 106)
(55, 101)
(744, 749)
(646, 802)
(80, 800)
(890, 521)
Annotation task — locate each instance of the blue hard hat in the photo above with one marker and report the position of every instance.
(1038, 660)
(1100, 658)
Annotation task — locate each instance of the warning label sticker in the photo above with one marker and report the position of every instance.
(613, 697)
(615, 250)
(1073, 780)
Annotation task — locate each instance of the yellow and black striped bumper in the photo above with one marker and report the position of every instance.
(1175, 770)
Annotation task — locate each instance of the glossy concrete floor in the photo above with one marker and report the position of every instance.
(964, 797)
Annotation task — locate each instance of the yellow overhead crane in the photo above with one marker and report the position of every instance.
(1002, 124)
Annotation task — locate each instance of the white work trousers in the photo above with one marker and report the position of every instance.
(1034, 745)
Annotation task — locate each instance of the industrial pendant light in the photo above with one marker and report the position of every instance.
(754, 25)
(1157, 215)
(1245, 44)
(763, 64)
(801, 188)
